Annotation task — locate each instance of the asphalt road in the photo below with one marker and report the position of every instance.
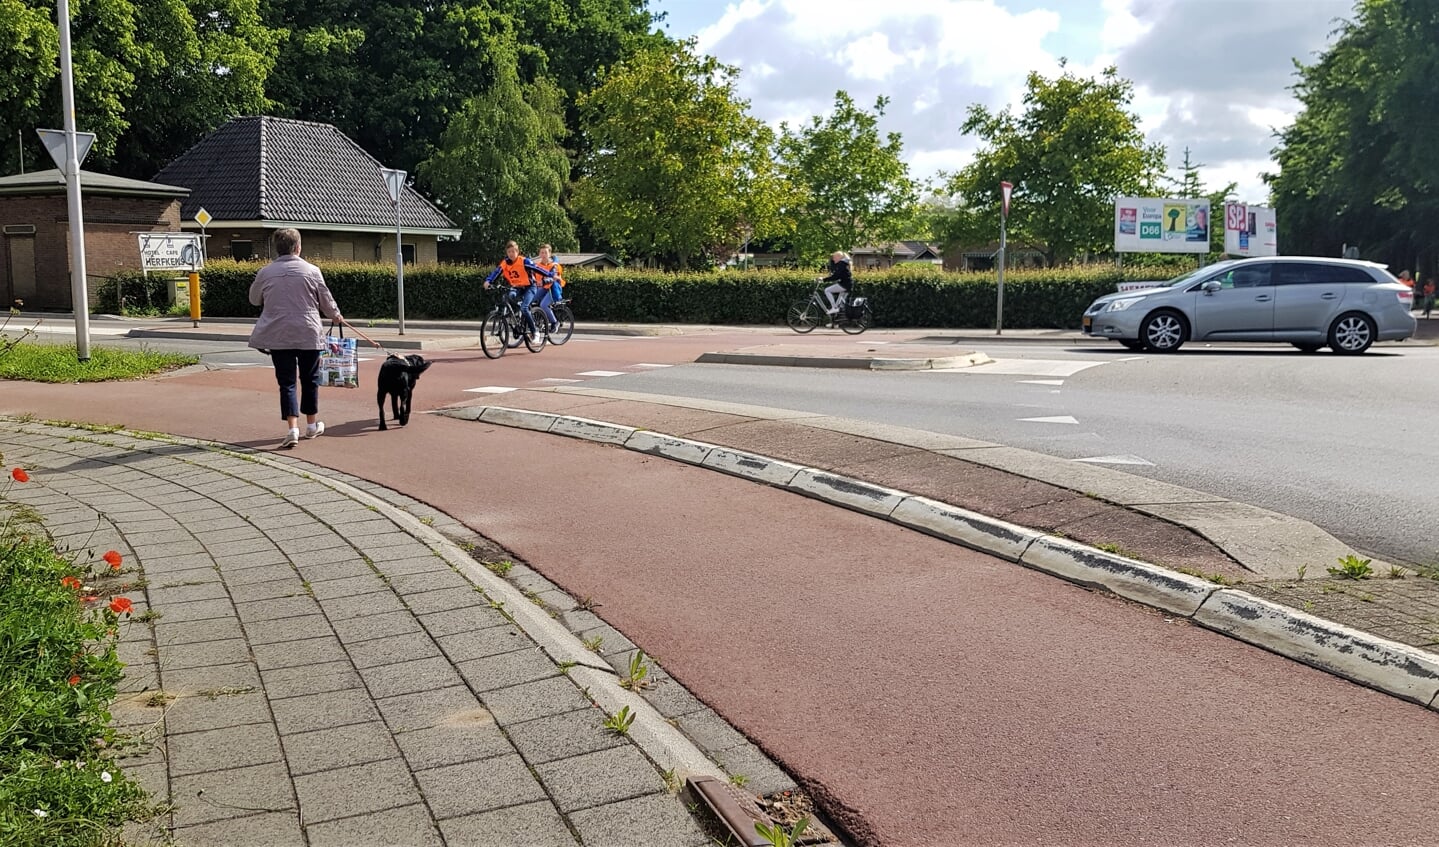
(1347, 443)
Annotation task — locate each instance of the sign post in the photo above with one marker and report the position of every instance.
(395, 184)
(1006, 188)
(80, 301)
(202, 218)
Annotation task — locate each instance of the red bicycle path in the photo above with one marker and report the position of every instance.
(925, 693)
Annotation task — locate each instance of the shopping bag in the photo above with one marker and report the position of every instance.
(340, 361)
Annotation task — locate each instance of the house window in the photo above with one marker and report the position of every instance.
(409, 253)
(242, 250)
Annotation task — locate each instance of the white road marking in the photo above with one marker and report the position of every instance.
(1042, 381)
(648, 365)
(1030, 367)
(1057, 419)
(1129, 359)
(600, 373)
(491, 389)
(558, 380)
(1117, 460)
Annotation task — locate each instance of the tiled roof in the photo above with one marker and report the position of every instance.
(275, 169)
(53, 182)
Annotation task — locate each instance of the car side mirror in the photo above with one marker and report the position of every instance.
(1211, 286)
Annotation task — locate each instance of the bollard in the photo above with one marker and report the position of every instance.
(195, 297)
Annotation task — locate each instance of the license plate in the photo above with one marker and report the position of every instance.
(1088, 322)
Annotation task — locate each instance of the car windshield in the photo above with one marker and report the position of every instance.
(1190, 276)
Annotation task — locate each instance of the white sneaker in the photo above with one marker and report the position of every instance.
(291, 439)
(315, 431)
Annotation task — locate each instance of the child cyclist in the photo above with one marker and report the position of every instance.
(517, 271)
(554, 288)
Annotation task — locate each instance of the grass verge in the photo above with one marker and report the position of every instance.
(57, 363)
(59, 783)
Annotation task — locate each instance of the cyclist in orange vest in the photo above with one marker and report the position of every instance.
(554, 289)
(517, 270)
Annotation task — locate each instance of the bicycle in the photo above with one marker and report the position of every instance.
(504, 327)
(854, 315)
(564, 323)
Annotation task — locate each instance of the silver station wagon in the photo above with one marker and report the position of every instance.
(1342, 304)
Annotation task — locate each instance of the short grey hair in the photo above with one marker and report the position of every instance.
(287, 241)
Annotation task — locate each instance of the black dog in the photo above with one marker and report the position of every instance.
(397, 379)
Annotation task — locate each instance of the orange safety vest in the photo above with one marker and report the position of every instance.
(553, 267)
(514, 272)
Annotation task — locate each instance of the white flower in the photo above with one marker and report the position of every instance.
(105, 776)
(40, 813)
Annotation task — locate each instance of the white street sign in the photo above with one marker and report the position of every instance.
(170, 251)
(1006, 188)
(394, 183)
(54, 140)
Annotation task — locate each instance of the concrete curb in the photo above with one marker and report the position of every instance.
(873, 363)
(1397, 669)
(1387, 666)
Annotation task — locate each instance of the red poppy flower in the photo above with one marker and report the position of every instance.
(71, 582)
(121, 606)
(113, 558)
(75, 680)
(19, 475)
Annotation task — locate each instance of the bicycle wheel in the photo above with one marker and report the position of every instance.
(494, 334)
(535, 339)
(804, 315)
(854, 326)
(565, 320)
(516, 329)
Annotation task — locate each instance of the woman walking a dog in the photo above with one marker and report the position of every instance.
(293, 297)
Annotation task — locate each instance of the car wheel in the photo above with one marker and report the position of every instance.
(1163, 332)
(1132, 344)
(1351, 334)
(1304, 347)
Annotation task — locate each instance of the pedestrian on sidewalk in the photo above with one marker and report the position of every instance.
(293, 297)
(1428, 292)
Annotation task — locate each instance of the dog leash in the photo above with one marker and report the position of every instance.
(372, 341)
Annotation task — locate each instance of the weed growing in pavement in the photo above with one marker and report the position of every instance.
(639, 671)
(593, 643)
(427, 521)
(159, 700)
(499, 568)
(149, 616)
(532, 596)
(1302, 570)
(565, 665)
(588, 604)
(1396, 572)
(1308, 605)
(1352, 567)
(1216, 578)
(619, 723)
(738, 780)
(673, 783)
(778, 836)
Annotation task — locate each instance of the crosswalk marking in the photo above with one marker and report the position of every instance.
(491, 389)
(558, 380)
(1117, 460)
(649, 365)
(600, 373)
(1056, 419)
(1042, 381)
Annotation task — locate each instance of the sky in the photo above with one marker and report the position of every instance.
(1209, 75)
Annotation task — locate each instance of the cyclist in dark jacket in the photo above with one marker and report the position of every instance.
(839, 274)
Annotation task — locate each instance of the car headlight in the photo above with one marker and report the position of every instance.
(1121, 305)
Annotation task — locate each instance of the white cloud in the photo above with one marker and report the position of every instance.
(1212, 76)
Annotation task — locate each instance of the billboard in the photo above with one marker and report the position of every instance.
(170, 251)
(1160, 225)
(1250, 231)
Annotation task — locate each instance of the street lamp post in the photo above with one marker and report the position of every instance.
(1005, 188)
(395, 185)
(78, 295)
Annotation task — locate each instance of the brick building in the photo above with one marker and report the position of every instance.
(35, 231)
(255, 175)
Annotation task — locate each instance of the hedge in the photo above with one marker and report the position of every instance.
(908, 296)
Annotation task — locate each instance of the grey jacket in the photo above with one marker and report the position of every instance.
(294, 296)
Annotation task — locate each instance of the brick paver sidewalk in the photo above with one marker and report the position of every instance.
(318, 674)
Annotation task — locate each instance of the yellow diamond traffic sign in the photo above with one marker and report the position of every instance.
(203, 218)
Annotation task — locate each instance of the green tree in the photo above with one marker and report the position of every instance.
(1191, 185)
(852, 186)
(677, 166)
(150, 75)
(1069, 153)
(501, 167)
(1358, 166)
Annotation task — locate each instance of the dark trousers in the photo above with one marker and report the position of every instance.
(302, 367)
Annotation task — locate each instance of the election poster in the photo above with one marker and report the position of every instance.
(1161, 225)
(1250, 230)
